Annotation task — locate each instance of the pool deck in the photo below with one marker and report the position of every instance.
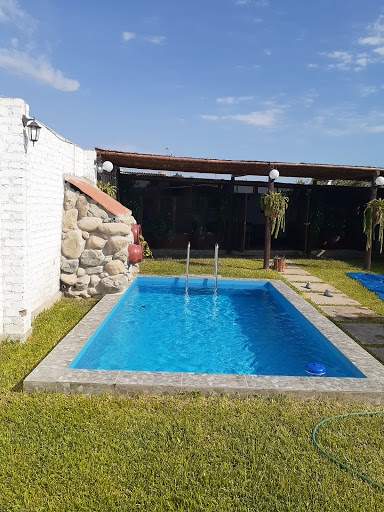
(53, 374)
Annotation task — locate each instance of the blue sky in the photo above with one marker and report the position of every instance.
(274, 80)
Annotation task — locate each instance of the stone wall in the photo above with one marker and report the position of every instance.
(31, 203)
(94, 248)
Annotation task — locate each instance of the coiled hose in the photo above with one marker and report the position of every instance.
(366, 478)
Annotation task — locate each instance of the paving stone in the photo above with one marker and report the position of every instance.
(339, 299)
(379, 352)
(340, 313)
(302, 278)
(316, 287)
(296, 271)
(367, 334)
(290, 264)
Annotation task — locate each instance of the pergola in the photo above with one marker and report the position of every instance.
(241, 168)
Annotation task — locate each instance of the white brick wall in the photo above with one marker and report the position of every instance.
(31, 203)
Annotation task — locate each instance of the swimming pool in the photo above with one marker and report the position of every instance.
(247, 327)
(54, 373)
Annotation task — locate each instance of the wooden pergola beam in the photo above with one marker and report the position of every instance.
(237, 168)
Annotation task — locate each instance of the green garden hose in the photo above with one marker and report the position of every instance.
(338, 461)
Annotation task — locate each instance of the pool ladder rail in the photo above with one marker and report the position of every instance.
(216, 266)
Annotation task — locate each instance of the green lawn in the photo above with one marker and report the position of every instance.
(184, 452)
(17, 359)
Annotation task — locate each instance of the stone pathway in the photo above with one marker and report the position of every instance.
(342, 313)
(299, 278)
(369, 335)
(339, 299)
(316, 287)
(340, 307)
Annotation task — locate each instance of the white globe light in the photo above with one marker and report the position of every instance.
(108, 166)
(274, 174)
(380, 181)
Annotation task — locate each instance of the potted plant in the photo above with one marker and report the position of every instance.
(147, 253)
(279, 263)
(374, 216)
(274, 205)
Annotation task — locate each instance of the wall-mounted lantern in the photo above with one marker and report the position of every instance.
(32, 127)
(379, 181)
(103, 166)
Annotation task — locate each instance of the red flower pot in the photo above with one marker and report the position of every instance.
(136, 230)
(135, 253)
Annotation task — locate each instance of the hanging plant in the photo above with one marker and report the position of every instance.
(275, 205)
(373, 216)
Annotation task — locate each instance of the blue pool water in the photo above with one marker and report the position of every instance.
(248, 327)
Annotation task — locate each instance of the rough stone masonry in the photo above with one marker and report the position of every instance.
(94, 248)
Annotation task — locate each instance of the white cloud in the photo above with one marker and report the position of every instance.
(373, 40)
(11, 12)
(362, 61)
(231, 100)
(367, 90)
(242, 2)
(376, 129)
(39, 68)
(209, 118)
(346, 120)
(262, 3)
(351, 60)
(312, 65)
(127, 36)
(267, 51)
(155, 39)
(266, 119)
(258, 20)
(344, 56)
(345, 59)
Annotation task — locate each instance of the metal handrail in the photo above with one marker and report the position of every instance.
(216, 264)
(187, 270)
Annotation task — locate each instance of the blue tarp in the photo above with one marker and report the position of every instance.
(374, 282)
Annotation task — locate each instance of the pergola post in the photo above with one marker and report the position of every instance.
(267, 237)
(368, 252)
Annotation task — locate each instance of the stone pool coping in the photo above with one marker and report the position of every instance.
(52, 373)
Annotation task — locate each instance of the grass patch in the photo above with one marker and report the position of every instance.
(228, 267)
(346, 439)
(184, 452)
(17, 359)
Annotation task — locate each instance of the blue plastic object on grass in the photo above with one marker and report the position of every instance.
(374, 282)
(315, 369)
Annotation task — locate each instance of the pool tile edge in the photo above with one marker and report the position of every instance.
(53, 375)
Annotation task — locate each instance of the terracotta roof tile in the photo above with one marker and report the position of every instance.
(99, 196)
